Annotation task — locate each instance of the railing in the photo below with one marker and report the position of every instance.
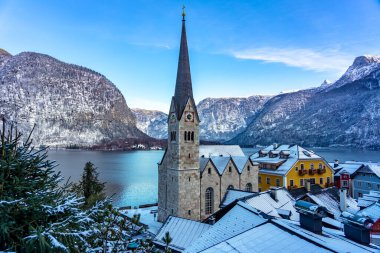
(321, 171)
(302, 172)
(312, 171)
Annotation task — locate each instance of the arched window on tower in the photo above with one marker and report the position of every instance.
(192, 136)
(188, 136)
(209, 201)
(248, 187)
(185, 136)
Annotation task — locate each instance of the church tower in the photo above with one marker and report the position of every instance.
(178, 172)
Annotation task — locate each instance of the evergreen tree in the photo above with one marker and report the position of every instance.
(89, 186)
(39, 215)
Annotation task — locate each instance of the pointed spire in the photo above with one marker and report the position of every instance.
(183, 87)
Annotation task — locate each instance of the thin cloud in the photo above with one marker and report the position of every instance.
(319, 61)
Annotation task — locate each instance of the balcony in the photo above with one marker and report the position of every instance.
(312, 171)
(321, 171)
(329, 184)
(302, 172)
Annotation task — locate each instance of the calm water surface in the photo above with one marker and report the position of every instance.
(132, 176)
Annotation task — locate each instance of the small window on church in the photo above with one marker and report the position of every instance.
(172, 211)
(192, 136)
(189, 179)
(189, 155)
(230, 169)
(248, 168)
(189, 212)
(209, 170)
(185, 136)
(188, 136)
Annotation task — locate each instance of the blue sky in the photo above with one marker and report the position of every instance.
(237, 48)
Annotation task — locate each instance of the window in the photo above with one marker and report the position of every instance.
(345, 183)
(328, 180)
(248, 187)
(259, 189)
(359, 183)
(189, 179)
(321, 180)
(209, 170)
(360, 194)
(302, 166)
(230, 169)
(173, 135)
(378, 186)
(209, 201)
(369, 185)
(259, 179)
(172, 211)
(320, 166)
(301, 182)
(291, 182)
(296, 168)
(185, 136)
(189, 155)
(268, 180)
(248, 168)
(189, 212)
(277, 182)
(192, 136)
(312, 180)
(188, 136)
(230, 187)
(311, 166)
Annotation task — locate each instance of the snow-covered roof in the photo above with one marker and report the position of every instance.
(375, 167)
(295, 152)
(240, 162)
(265, 203)
(238, 220)
(182, 231)
(331, 239)
(369, 198)
(372, 211)
(266, 238)
(329, 198)
(220, 163)
(220, 150)
(202, 163)
(232, 195)
(347, 167)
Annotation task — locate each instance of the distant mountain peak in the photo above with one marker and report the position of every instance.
(4, 53)
(365, 60)
(326, 83)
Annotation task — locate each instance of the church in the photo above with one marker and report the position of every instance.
(192, 178)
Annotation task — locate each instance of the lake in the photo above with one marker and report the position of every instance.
(132, 175)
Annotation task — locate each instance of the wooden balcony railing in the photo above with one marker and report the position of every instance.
(302, 172)
(321, 171)
(312, 171)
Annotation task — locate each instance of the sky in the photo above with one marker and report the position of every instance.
(237, 48)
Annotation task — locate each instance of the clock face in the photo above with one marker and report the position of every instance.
(189, 116)
(172, 118)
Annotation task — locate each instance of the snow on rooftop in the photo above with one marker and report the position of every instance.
(239, 219)
(329, 198)
(373, 211)
(182, 231)
(220, 150)
(265, 203)
(147, 217)
(232, 194)
(295, 152)
(265, 239)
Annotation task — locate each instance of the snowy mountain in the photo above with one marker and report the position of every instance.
(345, 113)
(221, 118)
(153, 123)
(69, 105)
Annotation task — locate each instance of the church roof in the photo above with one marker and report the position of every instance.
(220, 150)
(183, 87)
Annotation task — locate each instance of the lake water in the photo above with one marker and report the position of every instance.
(132, 176)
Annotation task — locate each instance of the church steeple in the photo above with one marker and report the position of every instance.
(183, 87)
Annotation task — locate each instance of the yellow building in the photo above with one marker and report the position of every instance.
(291, 166)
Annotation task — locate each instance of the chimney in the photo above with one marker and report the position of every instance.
(273, 193)
(311, 216)
(307, 185)
(336, 163)
(211, 220)
(343, 199)
(275, 145)
(357, 227)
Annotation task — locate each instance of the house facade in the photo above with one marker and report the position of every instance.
(291, 166)
(366, 179)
